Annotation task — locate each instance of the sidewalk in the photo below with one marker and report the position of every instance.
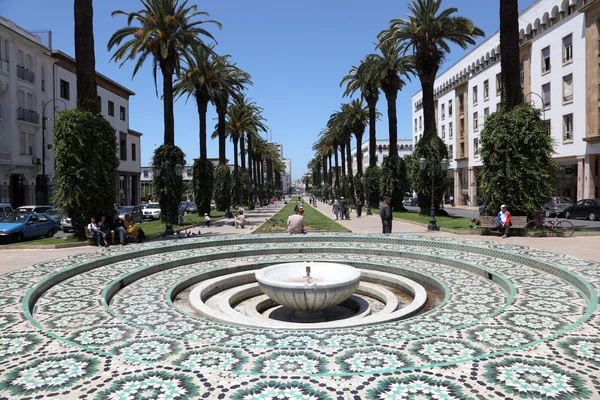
(579, 246)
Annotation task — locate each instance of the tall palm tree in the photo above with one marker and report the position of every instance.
(389, 67)
(356, 117)
(512, 92)
(361, 79)
(428, 31)
(167, 33)
(87, 91)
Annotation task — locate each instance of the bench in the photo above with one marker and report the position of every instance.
(488, 222)
(88, 235)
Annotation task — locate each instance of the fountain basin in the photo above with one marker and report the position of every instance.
(330, 284)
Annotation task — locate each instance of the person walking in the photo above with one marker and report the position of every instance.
(385, 211)
(358, 208)
(336, 209)
(343, 207)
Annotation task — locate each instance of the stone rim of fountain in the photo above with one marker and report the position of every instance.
(265, 275)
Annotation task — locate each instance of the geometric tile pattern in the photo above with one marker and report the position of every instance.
(516, 323)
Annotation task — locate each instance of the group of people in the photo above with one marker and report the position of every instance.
(342, 210)
(104, 229)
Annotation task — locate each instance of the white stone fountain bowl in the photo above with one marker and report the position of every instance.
(286, 284)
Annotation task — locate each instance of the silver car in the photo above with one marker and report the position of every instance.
(152, 211)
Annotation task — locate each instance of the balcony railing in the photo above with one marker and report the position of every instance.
(5, 156)
(28, 116)
(25, 74)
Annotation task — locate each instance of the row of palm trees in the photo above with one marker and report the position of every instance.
(413, 46)
(168, 33)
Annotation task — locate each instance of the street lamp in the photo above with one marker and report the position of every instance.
(44, 182)
(157, 172)
(423, 163)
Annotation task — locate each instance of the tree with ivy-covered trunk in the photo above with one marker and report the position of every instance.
(359, 187)
(394, 180)
(85, 175)
(516, 151)
(222, 190)
(203, 183)
(167, 157)
(372, 186)
(431, 148)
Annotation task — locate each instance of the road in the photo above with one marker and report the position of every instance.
(461, 212)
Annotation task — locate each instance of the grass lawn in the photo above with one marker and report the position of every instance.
(314, 221)
(458, 223)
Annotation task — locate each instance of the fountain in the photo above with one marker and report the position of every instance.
(323, 285)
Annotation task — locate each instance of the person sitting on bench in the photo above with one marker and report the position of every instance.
(240, 220)
(503, 220)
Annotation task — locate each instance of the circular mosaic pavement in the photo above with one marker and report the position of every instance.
(513, 322)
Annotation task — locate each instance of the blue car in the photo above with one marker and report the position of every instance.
(18, 227)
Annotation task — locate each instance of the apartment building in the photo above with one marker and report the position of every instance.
(560, 75)
(405, 148)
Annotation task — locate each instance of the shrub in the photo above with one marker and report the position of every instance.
(85, 174)
(517, 156)
(372, 186)
(202, 183)
(222, 187)
(167, 157)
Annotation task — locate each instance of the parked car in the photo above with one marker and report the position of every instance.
(152, 211)
(32, 209)
(411, 202)
(556, 205)
(20, 226)
(586, 208)
(182, 207)
(136, 213)
(191, 208)
(5, 210)
(142, 206)
(66, 224)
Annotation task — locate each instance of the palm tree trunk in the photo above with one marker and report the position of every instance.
(330, 172)
(349, 155)
(391, 96)
(250, 156)
(372, 135)
(202, 109)
(337, 170)
(325, 169)
(359, 155)
(85, 68)
(221, 133)
(343, 153)
(167, 73)
(242, 151)
(235, 151)
(427, 81)
(262, 172)
(512, 92)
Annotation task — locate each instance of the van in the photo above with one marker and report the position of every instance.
(5, 210)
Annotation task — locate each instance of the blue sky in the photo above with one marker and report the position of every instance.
(296, 52)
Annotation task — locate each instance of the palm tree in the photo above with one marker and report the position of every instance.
(361, 79)
(356, 116)
(512, 92)
(167, 33)
(87, 91)
(429, 32)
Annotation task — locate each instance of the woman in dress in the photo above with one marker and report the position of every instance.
(133, 230)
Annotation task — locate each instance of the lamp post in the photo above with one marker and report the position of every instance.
(423, 164)
(157, 172)
(44, 183)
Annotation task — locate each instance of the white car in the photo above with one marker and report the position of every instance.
(152, 211)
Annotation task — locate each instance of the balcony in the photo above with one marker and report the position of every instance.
(5, 156)
(25, 74)
(28, 116)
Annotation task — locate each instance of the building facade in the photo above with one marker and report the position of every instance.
(405, 148)
(560, 54)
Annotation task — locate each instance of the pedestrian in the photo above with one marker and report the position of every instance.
(336, 209)
(342, 207)
(451, 198)
(358, 208)
(503, 220)
(385, 212)
(206, 220)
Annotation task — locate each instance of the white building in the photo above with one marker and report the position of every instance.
(33, 81)
(286, 178)
(405, 148)
(559, 75)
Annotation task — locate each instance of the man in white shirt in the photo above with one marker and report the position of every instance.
(295, 224)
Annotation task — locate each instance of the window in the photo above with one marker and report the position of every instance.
(548, 123)
(476, 147)
(64, 90)
(462, 128)
(416, 139)
(486, 89)
(546, 95)
(30, 144)
(123, 148)
(498, 106)
(415, 124)
(450, 151)
(30, 105)
(111, 108)
(461, 105)
(568, 88)
(522, 75)
(568, 49)
(498, 84)
(475, 121)
(546, 60)
(462, 150)
(100, 103)
(449, 108)
(443, 131)
(568, 128)
(420, 122)
(122, 113)
(486, 113)
(43, 78)
(145, 173)
(22, 142)
(443, 111)
(133, 152)
(189, 172)
(474, 95)
(450, 133)
(21, 99)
